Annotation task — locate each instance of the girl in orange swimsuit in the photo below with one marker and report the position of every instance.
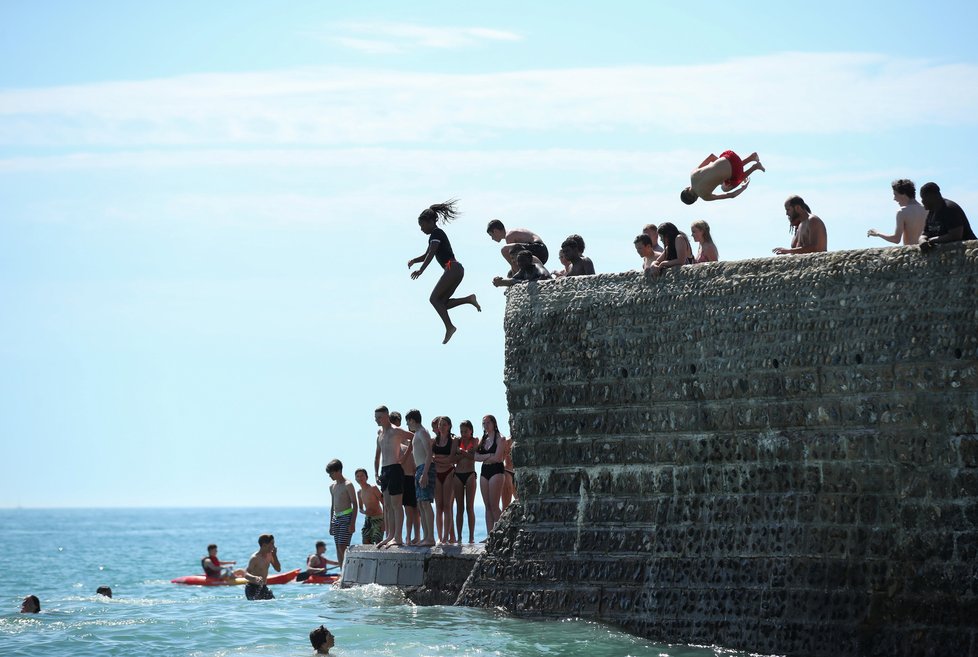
(445, 449)
(464, 483)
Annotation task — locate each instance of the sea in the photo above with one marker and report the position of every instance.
(64, 555)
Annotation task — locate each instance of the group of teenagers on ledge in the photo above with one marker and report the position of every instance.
(415, 468)
(934, 220)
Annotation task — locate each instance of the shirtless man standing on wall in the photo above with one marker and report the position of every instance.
(257, 571)
(726, 172)
(390, 473)
(810, 235)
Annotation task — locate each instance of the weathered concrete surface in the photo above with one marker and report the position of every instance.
(776, 455)
(428, 576)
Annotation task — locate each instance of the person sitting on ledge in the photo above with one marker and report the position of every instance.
(809, 231)
(946, 221)
(30, 605)
(529, 270)
(676, 252)
(726, 171)
(700, 230)
(564, 263)
(645, 249)
(322, 640)
(653, 232)
(573, 248)
(910, 218)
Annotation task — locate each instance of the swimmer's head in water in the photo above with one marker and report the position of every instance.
(322, 639)
(30, 605)
(688, 197)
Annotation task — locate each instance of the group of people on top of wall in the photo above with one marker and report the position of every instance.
(935, 220)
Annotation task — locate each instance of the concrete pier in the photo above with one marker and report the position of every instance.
(428, 576)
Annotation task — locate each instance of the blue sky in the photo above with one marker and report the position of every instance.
(207, 208)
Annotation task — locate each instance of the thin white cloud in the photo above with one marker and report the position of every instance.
(387, 38)
(788, 93)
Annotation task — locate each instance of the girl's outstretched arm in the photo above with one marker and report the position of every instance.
(424, 260)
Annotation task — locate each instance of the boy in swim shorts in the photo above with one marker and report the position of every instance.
(343, 513)
(424, 476)
(726, 172)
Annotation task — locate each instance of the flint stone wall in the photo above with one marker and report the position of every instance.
(774, 455)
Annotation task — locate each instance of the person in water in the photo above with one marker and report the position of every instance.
(30, 605)
(322, 640)
(217, 569)
(257, 571)
(343, 512)
(104, 590)
(726, 172)
(440, 249)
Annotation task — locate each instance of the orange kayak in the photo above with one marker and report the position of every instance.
(203, 580)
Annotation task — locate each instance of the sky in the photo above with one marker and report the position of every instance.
(207, 209)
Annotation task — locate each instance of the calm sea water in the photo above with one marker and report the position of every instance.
(62, 556)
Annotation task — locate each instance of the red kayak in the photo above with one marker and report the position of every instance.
(203, 580)
(321, 579)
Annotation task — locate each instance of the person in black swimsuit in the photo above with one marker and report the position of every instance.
(465, 480)
(445, 450)
(441, 249)
(490, 453)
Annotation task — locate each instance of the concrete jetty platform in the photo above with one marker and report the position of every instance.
(428, 576)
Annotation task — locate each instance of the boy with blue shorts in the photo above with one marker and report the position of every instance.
(424, 485)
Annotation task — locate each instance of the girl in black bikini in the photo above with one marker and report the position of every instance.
(440, 249)
(464, 483)
(445, 449)
(490, 453)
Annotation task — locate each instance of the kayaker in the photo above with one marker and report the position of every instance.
(257, 571)
(215, 568)
(317, 564)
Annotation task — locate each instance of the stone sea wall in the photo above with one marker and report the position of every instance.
(775, 455)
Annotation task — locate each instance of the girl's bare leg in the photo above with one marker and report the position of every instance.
(441, 297)
(470, 508)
